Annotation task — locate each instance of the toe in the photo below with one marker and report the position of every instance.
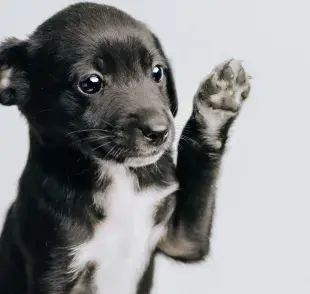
(241, 78)
(227, 73)
(235, 66)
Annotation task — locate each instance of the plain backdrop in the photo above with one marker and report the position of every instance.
(261, 236)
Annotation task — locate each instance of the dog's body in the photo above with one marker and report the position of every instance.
(100, 194)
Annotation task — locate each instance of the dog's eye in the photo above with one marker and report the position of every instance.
(91, 84)
(157, 73)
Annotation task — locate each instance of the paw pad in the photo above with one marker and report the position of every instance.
(226, 87)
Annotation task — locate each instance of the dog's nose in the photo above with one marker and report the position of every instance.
(155, 129)
(156, 134)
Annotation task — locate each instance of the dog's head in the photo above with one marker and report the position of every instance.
(93, 78)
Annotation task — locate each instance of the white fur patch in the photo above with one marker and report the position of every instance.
(124, 241)
(5, 76)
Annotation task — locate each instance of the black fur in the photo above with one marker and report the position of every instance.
(54, 207)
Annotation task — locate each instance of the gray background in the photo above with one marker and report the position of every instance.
(261, 236)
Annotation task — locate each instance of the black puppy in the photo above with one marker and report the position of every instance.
(100, 194)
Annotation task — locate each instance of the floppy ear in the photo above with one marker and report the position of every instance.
(172, 93)
(13, 69)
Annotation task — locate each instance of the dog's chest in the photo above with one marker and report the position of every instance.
(123, 243)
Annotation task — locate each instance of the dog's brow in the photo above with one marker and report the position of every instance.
(80, 69)
(157, 56)
(105, 59)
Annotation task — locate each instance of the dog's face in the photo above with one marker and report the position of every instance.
(93, 78)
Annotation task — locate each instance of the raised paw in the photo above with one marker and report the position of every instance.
(226, 87)
(220, 96)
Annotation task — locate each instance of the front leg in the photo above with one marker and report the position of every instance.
(216, 105)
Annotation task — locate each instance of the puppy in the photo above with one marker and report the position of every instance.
(100, 194)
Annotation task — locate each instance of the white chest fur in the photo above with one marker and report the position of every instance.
(123, 243)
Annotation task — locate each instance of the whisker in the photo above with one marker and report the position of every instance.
(87, 130)
(110, 151)
(109, 124)
(118, 152)
(102, 145)
(125, 150)
(93, 138)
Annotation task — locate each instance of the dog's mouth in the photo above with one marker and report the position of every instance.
(129, 157)
(130, 153)
(143, 160)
